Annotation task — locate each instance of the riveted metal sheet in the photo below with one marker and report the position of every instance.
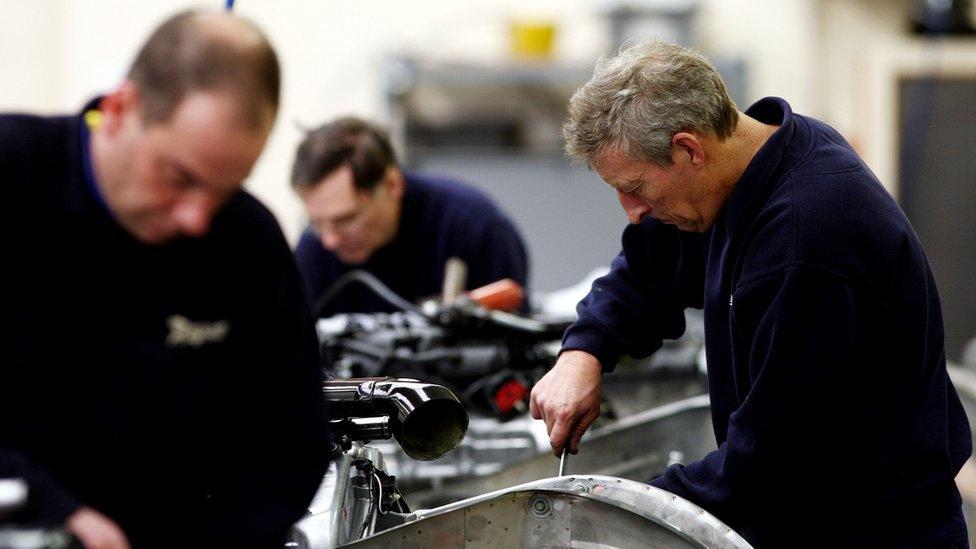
(592, 511)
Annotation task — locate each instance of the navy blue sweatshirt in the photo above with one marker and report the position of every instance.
(174, 388)
(439, 219)
(834, 416)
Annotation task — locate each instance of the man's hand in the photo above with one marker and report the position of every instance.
(568, 399)
(96, 531)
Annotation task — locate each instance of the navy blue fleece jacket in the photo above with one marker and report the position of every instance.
(834, 416)
(174, 388)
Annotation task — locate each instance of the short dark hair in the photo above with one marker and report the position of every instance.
(362, 144)
(200, 50)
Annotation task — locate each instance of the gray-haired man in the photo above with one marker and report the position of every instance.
(835, 419)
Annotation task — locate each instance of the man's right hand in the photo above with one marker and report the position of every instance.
(96, 531)
(568, 399)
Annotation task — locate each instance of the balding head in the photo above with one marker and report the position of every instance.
(175, 141)
(207, 51)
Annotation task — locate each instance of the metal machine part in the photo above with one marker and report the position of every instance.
(488, 447)
(500, 435)
(490, 358)
(13, 538)
(358, 496)
(13, 496)
(568, 511)
(455, 277)
(492, 364)
(427, 420)
(360, 504)
(350, 502)
(637, 447)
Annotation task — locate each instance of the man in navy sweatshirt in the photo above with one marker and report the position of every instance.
(160, 383)
(834, 416)
(366, 213)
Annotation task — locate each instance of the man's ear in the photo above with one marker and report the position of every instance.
(686, 148)
(394, 182)
(117, 106)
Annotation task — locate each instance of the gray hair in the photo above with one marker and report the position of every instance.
(638, 99)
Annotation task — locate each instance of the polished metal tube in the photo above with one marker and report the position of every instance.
(427, 420)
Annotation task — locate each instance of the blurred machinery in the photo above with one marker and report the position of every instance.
(14, 535)
(491, 360)
(490, 357)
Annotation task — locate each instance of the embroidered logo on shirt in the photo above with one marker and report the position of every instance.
(184, 332)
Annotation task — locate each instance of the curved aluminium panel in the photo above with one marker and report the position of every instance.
(568, 511)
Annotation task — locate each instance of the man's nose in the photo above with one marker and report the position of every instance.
(194, 214)
(634, 208)
(331, 240)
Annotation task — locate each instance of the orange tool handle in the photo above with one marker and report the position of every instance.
(503, 295)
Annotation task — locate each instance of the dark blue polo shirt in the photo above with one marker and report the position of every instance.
(439, 219)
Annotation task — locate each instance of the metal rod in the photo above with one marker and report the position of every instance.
(562, 460)
(455, 279)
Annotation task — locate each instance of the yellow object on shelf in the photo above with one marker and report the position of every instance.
(532, 39)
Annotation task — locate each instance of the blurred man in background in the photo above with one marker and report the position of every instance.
(160, 386)
(366, 213)
(836, 423)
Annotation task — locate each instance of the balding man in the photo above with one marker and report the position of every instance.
(160, 385)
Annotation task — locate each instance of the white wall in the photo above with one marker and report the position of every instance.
(30, 55)
(54, 54)
(778, 40)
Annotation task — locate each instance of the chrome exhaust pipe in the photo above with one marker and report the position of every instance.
(427, 420)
